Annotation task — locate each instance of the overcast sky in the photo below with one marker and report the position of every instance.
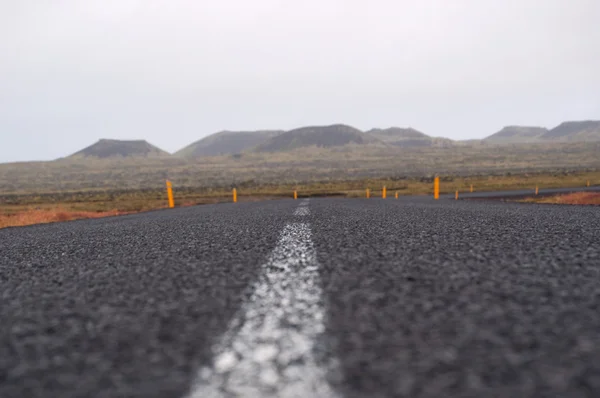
(174, 71)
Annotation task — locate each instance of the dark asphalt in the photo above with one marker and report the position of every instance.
(423, 298)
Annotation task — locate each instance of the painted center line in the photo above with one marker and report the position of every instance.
(274, 345)
(302, 211)
(304, 202)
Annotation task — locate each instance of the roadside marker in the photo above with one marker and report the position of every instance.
(396, 195)
(234, 195)
(456, 196)
(384, 192)
(170, 194)
(295, 195)
(588, 183)
(368, 193)
(537, 190)
(436, 188)
(471, 188)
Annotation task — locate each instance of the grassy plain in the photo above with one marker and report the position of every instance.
(33, 208)
(80, 188)
(308, 165)
(577, 198)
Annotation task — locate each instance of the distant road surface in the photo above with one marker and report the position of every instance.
(308, 298)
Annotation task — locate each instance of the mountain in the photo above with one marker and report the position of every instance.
(517, 134)
(105, 148)
(337, 135)
(227, 143)
(579, 131)
(408, 137)
(587, 130)
(321, 136)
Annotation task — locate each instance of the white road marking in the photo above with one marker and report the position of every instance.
(272, 346)
(302, 211)
(304, 202)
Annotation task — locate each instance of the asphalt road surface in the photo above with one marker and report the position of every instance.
(320, 298)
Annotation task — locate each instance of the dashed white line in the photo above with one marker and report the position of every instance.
(304, 202)
(270, 347)
(302, 211)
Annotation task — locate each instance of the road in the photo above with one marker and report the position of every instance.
(320, 298)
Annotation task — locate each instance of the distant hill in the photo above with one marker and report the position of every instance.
(516, 134)
(321, 136)
(408, 137)
(338, 135)
(580, 131)
(227, 143)
(105, 148)
(587, 130)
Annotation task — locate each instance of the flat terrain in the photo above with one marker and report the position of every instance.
(575, 198)
(300, 166)
(326, 297)
(31, 208)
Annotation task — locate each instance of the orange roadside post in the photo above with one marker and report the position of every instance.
(170, 194)
(436, 188)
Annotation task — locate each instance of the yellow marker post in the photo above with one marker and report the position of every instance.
(471, 188)
(384, 193)
(436, 188)
(295, 195)
(537, 190)
(170, 194)
(368, 193)
(588, 183)
(234, 195)
(456, 196)
(396, 195)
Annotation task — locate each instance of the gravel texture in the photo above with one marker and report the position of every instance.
(419, 298)
(126, 306)
(461, 298)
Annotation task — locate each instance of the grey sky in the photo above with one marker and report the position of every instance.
(174, 71)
